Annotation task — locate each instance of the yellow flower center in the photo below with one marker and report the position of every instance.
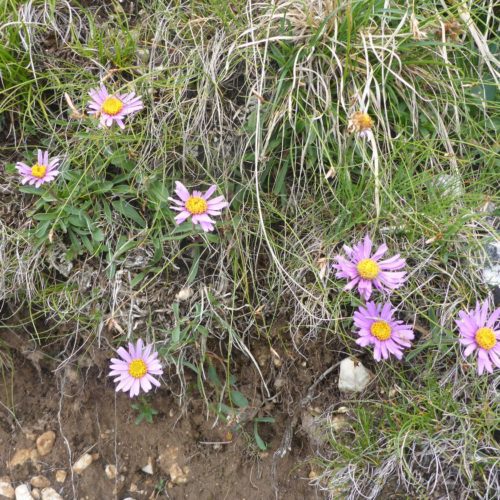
(112, 106)
(38, 170)
(381, 330)
(196, 205)
(485, 338)
(368, 269)
(137, 368)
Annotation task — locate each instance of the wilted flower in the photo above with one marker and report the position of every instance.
(109, 108)
(42, 171)
(366, 270)
(378, 328)
(198, 206)
(360, 123)
(481, 333)
(136, 368)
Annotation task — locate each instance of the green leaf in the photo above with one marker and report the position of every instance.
(239, 399)
(124, 247)
(193, 272)
(98, 235)
(213, 377)
(127, 210)
(46, 216)
(137, 279)
(260, 442)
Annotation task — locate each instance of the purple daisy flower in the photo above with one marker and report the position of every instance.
(44, 170)
(113, 108)
(136, 368)
(366, 270)
(198, 206)
(480, 332)
(378, 328)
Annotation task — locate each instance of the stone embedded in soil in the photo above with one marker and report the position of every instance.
(45, 443)
(148, 468)
(82, 463)
(22, 492)
(110, 471)
(6, 489)
(61, 476)
(353, 377)
(20, 457)
(40, 482)
(178, 475)
(51, 494)
(35, 493)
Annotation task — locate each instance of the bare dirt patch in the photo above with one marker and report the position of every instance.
(190, 457)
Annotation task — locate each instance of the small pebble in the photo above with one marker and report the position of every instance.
(177, 474)
(51, 494)
(6, 488)
(61, 476)
(82, 463)
(184, 294)
(110, 471)
(45, 443)
(148, 468)
(22, 492)
(40, 482)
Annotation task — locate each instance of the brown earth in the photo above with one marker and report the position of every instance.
(87, 416)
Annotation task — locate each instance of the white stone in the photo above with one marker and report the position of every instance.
(51, 494)
(354, 377)
(110, 471)
(491, 270)
(6, 488)
(184, 294)
(22, 492)
(148, 469)
(82, 463)
(491, 275)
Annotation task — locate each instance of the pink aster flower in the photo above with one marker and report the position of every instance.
(136, 368)
(198, 206)
(113, 108)
(377, 327)
(481, 333)
(42, 171)
(366, 270)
